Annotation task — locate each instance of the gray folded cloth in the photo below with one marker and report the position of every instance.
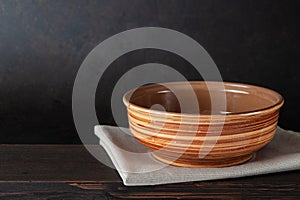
(136, 165)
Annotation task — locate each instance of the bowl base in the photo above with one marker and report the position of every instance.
(203, 163)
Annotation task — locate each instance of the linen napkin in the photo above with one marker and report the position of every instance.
(136, 165)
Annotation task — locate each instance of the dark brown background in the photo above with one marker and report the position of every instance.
(43, 43)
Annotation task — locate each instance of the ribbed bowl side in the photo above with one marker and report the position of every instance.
(176, 142)
(189, 139)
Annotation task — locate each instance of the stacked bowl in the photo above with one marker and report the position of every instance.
(203, 124)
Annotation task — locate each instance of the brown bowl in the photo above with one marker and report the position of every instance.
(203, 124)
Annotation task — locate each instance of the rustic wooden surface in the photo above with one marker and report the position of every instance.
(69, 172)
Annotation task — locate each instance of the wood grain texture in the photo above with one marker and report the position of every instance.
(69, 172)
(51, 163)
(113, 190)
(211, 136)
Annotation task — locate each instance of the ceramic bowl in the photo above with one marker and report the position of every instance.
(203, 124)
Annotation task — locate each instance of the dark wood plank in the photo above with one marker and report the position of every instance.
(70, 172)
(47, 190)
(51, 163)
(281, 185)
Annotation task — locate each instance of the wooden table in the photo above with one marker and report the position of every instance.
(70, 172)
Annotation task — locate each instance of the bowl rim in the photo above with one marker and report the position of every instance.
(277, 105)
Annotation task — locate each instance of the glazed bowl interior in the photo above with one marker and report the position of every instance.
(240, 98)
